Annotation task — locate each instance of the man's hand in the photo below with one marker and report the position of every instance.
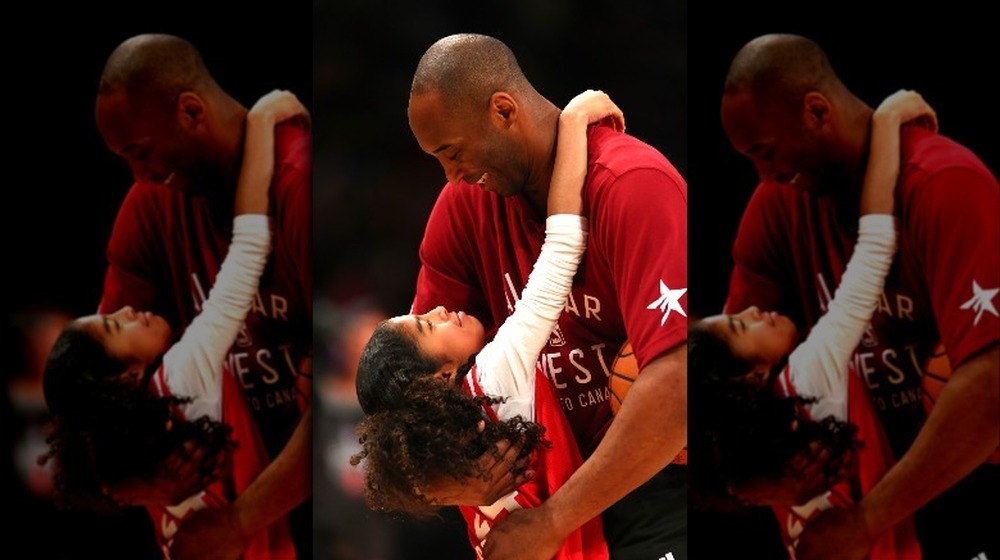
(836, 534)
(499, 480)
(526, 534)
(186, 472)
(210, 534)
(809, 474)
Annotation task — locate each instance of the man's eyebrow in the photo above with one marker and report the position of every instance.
(104, 321)
(732, 326)
(420, 329)
(441, 148)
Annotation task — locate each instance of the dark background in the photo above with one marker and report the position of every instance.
(63, 191)
(948, 55)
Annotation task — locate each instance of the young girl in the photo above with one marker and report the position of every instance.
(761, 404)
(124, 401)
(437, 398)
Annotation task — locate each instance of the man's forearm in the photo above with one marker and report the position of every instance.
(959, 435)
(283, 485)
(648, 432)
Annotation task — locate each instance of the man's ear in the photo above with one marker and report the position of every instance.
(503, 110)
(816, 110)
(190, 109)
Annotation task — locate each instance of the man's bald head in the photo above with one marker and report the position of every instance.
(155, 68)
(159, 108)
(472, 108)
(786, 110)
(467, 69)
(781, 68)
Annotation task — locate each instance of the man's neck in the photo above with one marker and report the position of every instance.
(857, 136)
(846, 177)
(232, 134)
(232, 131)
(542, 157)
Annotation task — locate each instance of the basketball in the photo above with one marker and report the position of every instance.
(936, 372)
(624, 370)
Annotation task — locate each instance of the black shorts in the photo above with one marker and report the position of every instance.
(650, 523)
(962, 523)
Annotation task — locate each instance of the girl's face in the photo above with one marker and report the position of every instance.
(762, 338)
(451, 337)
(136, 338)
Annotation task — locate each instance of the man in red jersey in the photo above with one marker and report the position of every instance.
(159, 108)
(473, 109)
(807, 134)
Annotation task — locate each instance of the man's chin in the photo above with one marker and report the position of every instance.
(816, 184)
(184, 185)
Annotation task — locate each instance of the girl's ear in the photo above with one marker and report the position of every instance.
(132, 376)
(446, 373)
(759, 376)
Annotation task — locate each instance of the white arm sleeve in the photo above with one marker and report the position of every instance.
(506, 366)
(193, 366)
(819, 366)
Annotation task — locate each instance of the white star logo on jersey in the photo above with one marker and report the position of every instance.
(982, 300)
(668, 301)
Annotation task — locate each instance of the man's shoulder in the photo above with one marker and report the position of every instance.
(617, 154)
(293, 146)
(941, 177)
(291, 187)
(926, 154)
(293, 160)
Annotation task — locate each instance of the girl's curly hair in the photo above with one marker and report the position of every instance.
(104, 432)
(390, 361)
(433, 434)
(741, 431)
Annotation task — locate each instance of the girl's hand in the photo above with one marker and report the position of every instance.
(593, 106)
(904, 106)
(257, 168)
(279, 105)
